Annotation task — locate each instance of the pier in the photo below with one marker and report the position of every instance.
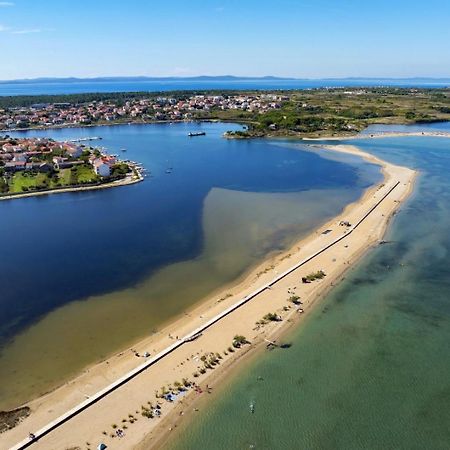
(84, 139)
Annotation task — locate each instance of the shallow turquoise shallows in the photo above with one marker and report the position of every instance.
(370, 368)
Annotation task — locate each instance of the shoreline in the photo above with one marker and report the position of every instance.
(111, 124)
(168, 432)
(265, 134)
(384, 134)
(67, 395)
(343, 137)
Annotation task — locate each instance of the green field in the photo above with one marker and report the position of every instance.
(84, 174)
(65, 177)
(338, 112)
(34, 181)
(27, 181)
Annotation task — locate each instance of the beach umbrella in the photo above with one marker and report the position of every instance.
(101, 446)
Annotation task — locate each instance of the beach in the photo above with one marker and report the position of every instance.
(343, 245)
(385, 134)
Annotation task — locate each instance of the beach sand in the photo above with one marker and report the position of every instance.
(96, 424)
(383, 134)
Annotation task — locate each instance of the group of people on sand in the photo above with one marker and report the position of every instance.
(199, 390)
(137, 354)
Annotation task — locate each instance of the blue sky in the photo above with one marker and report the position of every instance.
(303, 38)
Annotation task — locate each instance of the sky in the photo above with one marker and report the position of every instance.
(291, 38)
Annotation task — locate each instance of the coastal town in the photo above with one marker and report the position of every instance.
(303, 113)
(159, 108)
(30, 165)
(224, 225)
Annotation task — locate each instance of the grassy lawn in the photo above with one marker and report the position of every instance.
(85, 174)
(23, 181)
(78, 174)
(64, 177)
(30, 181)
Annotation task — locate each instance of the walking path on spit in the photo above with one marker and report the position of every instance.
(383, 134)
(189, 337)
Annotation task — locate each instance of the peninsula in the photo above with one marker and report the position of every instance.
(31, 166)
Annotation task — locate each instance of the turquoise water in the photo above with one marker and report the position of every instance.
(42, 87)
(370, 367)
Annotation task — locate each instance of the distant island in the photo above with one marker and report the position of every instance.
(298, 113)
(222, 78)
(30, 166)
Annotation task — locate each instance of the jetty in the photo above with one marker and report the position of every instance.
(89, 138)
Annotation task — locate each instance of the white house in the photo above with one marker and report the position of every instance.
(101, 168)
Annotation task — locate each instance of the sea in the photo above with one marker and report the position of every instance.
(87, 274)
(160, 85)
(369, 367)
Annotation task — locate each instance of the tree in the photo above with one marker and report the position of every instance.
(239, 340)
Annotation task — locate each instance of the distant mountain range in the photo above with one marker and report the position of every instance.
(229, 78)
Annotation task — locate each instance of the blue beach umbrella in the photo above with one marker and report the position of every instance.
(101, 446)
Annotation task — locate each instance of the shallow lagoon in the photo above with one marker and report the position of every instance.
(85, 274)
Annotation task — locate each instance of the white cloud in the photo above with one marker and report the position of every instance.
(29, 31)
(3, 28)
(6, 4)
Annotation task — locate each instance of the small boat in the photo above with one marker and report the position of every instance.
(252, 407)
(168, 170)
(123, 149)
(198, 133)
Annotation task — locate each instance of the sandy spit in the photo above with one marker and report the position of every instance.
(384, 134)
(122, 408)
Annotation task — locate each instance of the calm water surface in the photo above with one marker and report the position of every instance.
(84, 274)
(82, 86)
(370, 367)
